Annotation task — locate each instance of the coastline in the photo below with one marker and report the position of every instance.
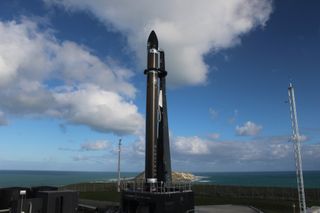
(252, 179)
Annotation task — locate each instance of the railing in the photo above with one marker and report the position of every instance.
(160, 187)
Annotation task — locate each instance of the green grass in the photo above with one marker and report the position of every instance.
(268, 206)
(204, 196)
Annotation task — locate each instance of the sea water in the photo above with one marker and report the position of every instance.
(272, 179)
(56, 178)
(60, 178)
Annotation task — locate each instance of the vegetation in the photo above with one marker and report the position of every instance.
(207, 195)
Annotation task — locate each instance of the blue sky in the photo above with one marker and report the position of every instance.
(72, 83)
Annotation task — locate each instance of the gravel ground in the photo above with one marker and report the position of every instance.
(225, 209)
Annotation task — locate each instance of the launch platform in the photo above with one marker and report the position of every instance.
(156, 198)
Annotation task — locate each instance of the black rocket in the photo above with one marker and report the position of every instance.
(157, 163)
(157, 194)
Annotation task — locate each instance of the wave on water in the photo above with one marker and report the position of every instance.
(111, 180)
(99, 181)
(204, 181)
(201, 179)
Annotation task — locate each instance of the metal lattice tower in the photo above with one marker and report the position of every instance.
(297, 149)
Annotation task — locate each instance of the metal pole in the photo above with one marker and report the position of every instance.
(119, 152)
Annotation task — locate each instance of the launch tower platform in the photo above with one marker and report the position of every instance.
(156, 198)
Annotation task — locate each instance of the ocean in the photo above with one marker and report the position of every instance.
(272, 179)
(60, 178)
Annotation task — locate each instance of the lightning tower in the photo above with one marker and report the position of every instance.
(297, 149)
(119, 154)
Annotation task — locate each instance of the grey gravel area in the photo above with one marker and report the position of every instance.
(225, 209)
(92, 206)
(113, 207)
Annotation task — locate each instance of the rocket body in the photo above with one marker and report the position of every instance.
(151, 124)
(152, 108)
(157, 161)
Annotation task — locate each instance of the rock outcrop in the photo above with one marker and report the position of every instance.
(176, 177)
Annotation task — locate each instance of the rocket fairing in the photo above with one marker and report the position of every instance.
(157, 162)
(153, 41)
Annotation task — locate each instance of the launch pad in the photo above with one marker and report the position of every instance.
(156, 193)
(170, 198)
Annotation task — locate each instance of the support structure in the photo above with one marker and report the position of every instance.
(297, 149)
(163, 148)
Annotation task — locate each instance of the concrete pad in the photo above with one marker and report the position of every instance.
(224, 209)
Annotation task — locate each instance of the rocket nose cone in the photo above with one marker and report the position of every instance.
(152, 40)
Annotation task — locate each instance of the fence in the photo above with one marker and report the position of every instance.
(161, 187)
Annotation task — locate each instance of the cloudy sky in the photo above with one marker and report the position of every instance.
(72, 82)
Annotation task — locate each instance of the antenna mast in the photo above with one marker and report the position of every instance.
(119, 153)
(297, 149)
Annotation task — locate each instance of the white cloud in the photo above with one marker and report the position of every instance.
(40, 75)
(311, 151)
(22, 43)
(214, 136)
(222, 151)
(19, 44)
(202, 154)
(248, 129)
(77, 64)
(302, 138)
(264, 153)
(139, 146)
(96, 146)
(279, 151)
(191, 145)
(102, 110)
(187, 29)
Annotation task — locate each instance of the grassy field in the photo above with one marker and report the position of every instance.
(203, 196)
